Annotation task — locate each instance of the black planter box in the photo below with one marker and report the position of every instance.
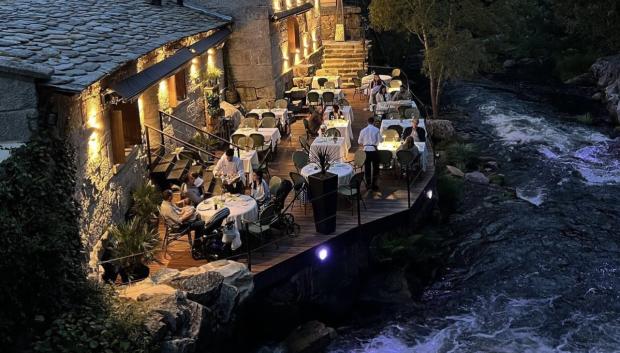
(324, 195)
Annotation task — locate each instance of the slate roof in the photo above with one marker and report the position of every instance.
(83, 40)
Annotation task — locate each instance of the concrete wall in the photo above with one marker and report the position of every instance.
(353, 28)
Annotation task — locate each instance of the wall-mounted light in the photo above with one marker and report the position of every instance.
(277, 5)
(297, 56)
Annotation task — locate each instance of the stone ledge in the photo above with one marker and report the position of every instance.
(14, 67)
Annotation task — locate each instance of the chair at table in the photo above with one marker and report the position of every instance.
(385, 159)
(263, 105)
(407, 132)
(298, 100)
(328, 98)
(393, 116)
(303, 142)
(249, 122)
(357, 89)
(245, 142)
(281, 104)
(408, 162)
(235, 138)
(309, 132)
(330, 85)
(253, 116)
(390, 135)
(260, 145)
(274, 185)
(265, 219)
(353, 191)
(321, 82)
(358, 160)
(300, 159)
(332, 132)
(396, 73)
(268, 122)
(174, 233)
(344, 102)
(314, 99)
(300, 185)
(401, 111)
(411, 113)
(396, 83)
(398, 128)
(264, 165)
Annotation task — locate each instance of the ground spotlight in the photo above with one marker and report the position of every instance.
(322, 253)
(429, 194)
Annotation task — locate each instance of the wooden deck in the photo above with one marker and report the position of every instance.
(389, 200)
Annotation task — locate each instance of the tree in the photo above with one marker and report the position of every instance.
(452, 33)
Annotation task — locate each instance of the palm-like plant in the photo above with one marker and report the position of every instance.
(133, 243)
(322, 157)
(146, 199)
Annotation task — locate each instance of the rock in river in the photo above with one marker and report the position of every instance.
(476, 177)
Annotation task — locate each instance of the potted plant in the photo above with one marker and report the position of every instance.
(323, 192)
(213, 76)
(134, 245)
(145, 200)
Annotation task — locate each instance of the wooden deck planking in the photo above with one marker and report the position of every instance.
(392, 198)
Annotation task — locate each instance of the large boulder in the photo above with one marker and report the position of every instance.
(173, 316)
(476, 177)
(440, 129)
(387, 288)
(606, 71)
(311, 337)
(203, 288)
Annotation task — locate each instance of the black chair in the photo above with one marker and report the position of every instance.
(407, 132)
(321, 81)
(300, 185)
(303, 142)
(401, 111)
(385, 159)
(328, 99)
(268, 114)
(252, 115)
(309, 132)
(398, 128)
(314, 99)
(353, 191)
(408, 162)
(174, 233)
(266, 218)
(264, 164)
(209, 246)
(332, 132)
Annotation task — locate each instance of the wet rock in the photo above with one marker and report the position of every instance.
(440, 129)
(390, 288)
(597, 96)
(491, 165)
(476, 177)
(226, 303)
(310, 337)
(455, 171)
(497, 179)
(182, 345)
(509, 63)
(606, 71)
(585, 79)
(203, 288)
(173, 316)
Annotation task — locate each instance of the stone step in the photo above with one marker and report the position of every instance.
(339, 62)
(342, 60)
(344, 51)
(344, 66)
(350, 43)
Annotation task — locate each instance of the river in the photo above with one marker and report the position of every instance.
(535, 273)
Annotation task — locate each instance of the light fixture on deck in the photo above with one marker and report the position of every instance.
(322, 253)
(429, 194)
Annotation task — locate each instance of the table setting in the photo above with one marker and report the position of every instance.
(344, 126)
(393, 146)
(335, 146)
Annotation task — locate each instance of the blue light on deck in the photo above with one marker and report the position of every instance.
(322, 253)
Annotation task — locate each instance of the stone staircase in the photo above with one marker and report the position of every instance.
(344, 59)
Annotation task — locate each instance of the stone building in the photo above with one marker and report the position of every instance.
(270, 38)
(103, 69)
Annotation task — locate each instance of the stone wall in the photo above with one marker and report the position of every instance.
(353, 28)
(104, 188)
(18, 100)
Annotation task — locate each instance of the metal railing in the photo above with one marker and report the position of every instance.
(418, 100)
(176, 139)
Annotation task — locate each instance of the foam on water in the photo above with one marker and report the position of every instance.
(535, 196)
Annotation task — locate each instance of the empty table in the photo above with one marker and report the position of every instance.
(334, 79)
(336, 147)
(280, 113)
(343, 170)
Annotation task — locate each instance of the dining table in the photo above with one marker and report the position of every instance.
(280, 113)
(243, 208)
(346, 110)
(404, 123)
(335, 79)
(384, 107)
(343, 126)
(250, 160)
(335, 146)
(393, 146)
(368, 78)
(343, 170)
(338, 94)
(271, 134)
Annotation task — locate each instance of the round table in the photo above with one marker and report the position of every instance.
(343, 170)
(242, 208)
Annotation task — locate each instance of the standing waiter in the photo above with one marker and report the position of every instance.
(369, 139)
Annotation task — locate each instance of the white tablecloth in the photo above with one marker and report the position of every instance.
(249, 159)
(343, 170)
(405, 123)
(383, 107)
(344, 126)
(346, 110)
(385, 78)
(242, 207)
(271, 134)
(280, 113)
(393, 147)
(334, 79)
(337, 149)
(338, 94)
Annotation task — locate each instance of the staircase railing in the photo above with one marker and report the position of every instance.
(197, 129)
(185, 144)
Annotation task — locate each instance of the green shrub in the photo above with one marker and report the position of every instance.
(105, 324)
(450, 190)
(462, 155)
(145, 200)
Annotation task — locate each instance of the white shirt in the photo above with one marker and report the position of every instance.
(171, 213)
(261, 192)
(370, 137)
(381, 97)
(230, 168)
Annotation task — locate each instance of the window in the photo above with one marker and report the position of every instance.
(125, 130)
(177, 88)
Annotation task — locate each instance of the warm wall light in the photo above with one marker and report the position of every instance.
(297, 56)
(141, 109)
(162, 94)
(289, 4)
(277, 5)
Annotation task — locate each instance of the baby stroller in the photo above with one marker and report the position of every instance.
(285, 222)
(210, 245)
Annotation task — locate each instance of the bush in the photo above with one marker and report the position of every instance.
(462, 155)
(106, 324)
(450, 190)
(145, 200)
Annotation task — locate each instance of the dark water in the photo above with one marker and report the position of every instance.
(539, 273)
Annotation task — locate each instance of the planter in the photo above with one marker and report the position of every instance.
(134, 273)
(324, 193)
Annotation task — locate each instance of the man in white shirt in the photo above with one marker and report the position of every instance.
(230, 169)
(369, 139)
(181, 218)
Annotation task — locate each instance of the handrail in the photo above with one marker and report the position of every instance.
(167, 149)
(181, 141)
(200, 130)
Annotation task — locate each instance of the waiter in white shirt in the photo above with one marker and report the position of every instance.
(369, 139)
(230, 169)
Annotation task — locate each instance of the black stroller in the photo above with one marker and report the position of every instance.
(210, 245)
(285, 222)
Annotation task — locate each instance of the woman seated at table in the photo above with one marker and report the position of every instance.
(259, 189)
(373, 88)
(409, 145)
(382, 95)
(336, 113)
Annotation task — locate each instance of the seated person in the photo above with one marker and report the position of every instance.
(178, 217)
(193, 191)
(316, 120)
(402, 95)
(335, 113)
(259, 189)
(409, 145)
(230, 169)
(373, 88)
(382, 95)
(418, 133)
